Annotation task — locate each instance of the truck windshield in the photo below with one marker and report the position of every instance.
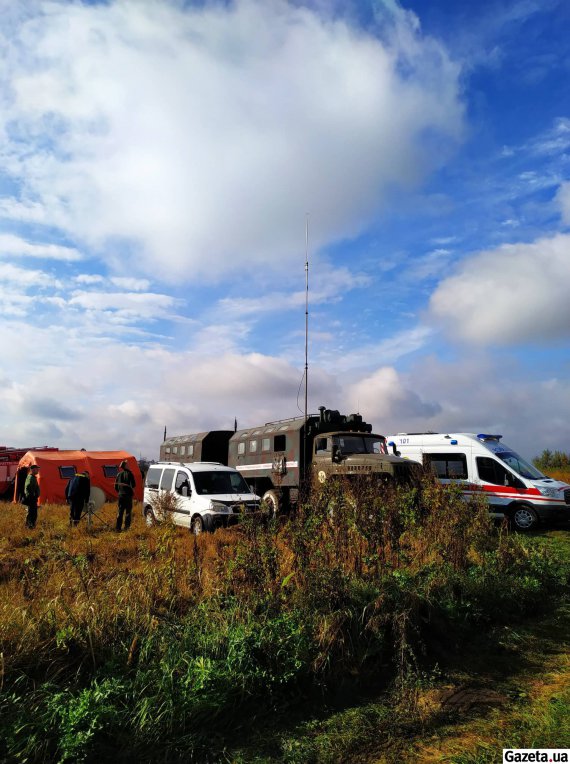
(219, 482)
(360, 444)
(520, 466)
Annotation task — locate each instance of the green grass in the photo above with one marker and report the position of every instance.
(318, 639)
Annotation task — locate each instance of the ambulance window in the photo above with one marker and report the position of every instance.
(279, 442)
(491, 471)
(447, 466)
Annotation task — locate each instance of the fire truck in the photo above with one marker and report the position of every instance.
(277, 458)
(9, 460)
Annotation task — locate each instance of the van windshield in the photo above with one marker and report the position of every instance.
(219, 482)
(520, 465)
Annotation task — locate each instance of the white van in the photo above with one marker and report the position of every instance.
(204, 495)
(513, 487)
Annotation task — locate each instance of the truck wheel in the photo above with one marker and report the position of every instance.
(149, 517)
(524, 518)
(197, 525)
(271, 501)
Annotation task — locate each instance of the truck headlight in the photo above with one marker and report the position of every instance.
(218, 506)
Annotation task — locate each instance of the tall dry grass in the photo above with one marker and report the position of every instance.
(153, 636)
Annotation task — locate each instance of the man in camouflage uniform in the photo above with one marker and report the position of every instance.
(31, 496)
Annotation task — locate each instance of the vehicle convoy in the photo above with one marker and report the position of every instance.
(278, 457)
(482, 464)
(201, 496)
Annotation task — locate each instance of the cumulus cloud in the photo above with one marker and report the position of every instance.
(517, 293)
(201, 136)
(15, 246)
(386, 400)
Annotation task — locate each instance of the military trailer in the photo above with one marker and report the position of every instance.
(278, 457)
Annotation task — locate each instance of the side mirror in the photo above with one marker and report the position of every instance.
(185, 491)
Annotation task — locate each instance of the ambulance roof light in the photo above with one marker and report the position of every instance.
(483, 436)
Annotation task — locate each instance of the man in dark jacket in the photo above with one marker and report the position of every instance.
(77, 495)
(125, 488)
(31, 496)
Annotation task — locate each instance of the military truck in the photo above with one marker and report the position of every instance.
(278, 457)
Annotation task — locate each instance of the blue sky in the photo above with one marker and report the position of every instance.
(158, 163)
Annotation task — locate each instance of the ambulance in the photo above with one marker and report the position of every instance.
(482, 463)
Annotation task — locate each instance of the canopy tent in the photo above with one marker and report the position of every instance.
(58, 467)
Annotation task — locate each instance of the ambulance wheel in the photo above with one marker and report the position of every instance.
(270, 501)
(197, 525)
(524, 518)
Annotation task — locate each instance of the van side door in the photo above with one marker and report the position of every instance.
(183, 493)
(166, 484)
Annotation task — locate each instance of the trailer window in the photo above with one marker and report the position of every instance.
(182, 450)
(67, 472)
(191, 450)
(266, 444)
(110, 470)
(279, 442)
(447, 466)
(241, 448)
(174, 449)
(252, 446)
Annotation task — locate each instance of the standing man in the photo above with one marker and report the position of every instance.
(31, 496)
(77, 495)
(125, 488)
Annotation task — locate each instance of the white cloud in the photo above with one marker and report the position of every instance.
(134, 285)
(563, 200)
(140, 305)
(517, 293)
(17, 247)
(204, 135)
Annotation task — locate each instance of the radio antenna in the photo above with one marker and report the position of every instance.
(306, 317)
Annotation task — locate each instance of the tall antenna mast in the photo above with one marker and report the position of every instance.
(306, 320)
(305, 459)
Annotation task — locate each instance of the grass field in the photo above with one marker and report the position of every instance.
(399, 628)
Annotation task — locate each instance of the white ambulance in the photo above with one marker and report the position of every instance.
(481, 463)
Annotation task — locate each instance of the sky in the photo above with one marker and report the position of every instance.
(162, 161)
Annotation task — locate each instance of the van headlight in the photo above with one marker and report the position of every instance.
(218, 506)
(553, 492)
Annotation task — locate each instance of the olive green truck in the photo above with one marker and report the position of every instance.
(278, 457)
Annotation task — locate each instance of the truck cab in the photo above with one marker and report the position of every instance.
(347, 454)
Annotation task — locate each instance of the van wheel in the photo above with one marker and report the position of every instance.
(524, 519)
(271, 502)
(197, 525)
(149, 517)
